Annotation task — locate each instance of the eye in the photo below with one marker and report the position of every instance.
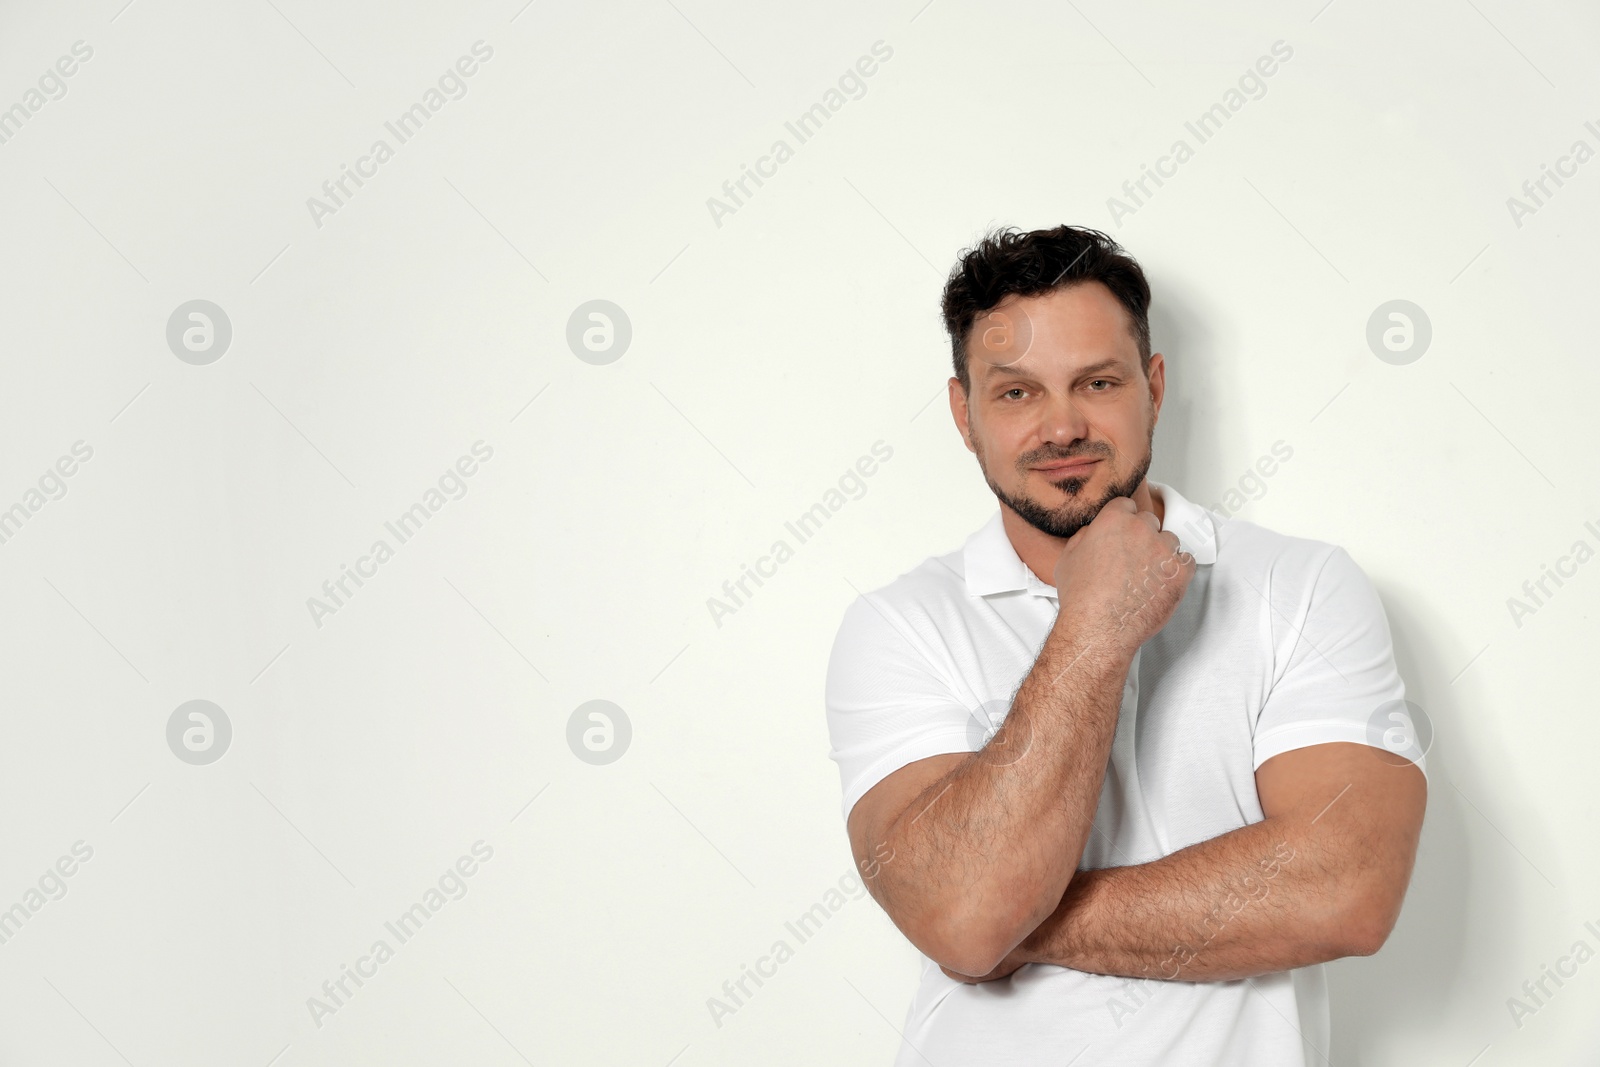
(1101, 381)
(1013, 389)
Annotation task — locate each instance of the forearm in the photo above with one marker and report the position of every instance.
(986, 851)
(1260, 899)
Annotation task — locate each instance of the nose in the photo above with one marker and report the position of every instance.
(1062, 422)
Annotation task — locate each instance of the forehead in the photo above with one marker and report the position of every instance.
(1063, 329)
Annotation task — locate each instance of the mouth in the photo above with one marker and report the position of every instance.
(1066, 468)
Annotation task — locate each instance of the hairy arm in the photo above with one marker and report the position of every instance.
(1320, 877)
(969, 852)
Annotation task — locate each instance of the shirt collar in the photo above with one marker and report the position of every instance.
(993, 566)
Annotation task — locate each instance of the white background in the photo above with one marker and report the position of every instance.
(768, 354)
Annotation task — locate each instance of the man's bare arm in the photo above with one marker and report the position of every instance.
(1322, 876)
(977, 856)
(967, 853)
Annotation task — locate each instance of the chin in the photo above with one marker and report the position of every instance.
(1073, 486)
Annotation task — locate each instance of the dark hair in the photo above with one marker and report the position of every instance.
(1040, 261)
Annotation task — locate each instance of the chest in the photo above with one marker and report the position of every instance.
(1181, 767)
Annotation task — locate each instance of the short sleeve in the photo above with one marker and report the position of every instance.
(887, 703)
(1340, 682)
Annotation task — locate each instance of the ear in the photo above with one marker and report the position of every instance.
(959, 411)
(1158, 383)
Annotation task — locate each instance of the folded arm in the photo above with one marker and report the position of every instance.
(1320, 877)
(967, 852)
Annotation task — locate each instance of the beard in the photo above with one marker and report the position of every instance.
(1074, 513)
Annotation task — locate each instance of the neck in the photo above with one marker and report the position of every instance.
(1040, 551)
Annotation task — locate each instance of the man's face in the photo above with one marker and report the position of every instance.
(1060, 414)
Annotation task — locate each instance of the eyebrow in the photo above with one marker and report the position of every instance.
(1019, 372)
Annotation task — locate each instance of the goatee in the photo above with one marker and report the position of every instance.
(1072, 515)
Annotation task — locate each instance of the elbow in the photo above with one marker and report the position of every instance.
(970, 945)
(1367, 937)
(975, 960)
(1365, 923)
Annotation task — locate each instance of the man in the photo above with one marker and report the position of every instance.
(1111, 766)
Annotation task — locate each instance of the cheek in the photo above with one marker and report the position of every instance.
(998, 435)
(1126, 433)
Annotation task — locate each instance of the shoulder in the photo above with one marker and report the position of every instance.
(1300, 584)
(1251, 551)
(923, 597)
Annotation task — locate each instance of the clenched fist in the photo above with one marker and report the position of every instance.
(1121, 577)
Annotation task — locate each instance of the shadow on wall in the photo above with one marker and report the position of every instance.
(1193, 431)
(1416, 989)
(1398, 998)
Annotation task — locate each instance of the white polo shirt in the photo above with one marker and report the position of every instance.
(1279, 642)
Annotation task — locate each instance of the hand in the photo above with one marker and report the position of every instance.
(1012, 961)
(1122, 576)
